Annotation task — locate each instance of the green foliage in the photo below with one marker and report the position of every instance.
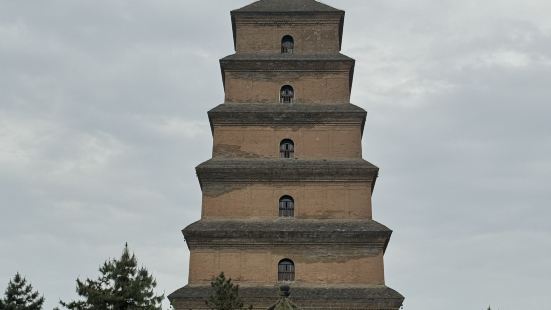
(20, 296)
(225, 295)
(122, 285)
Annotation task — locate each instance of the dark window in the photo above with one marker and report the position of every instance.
(287, 45)
(286, 206)
(287, 149)
(287, 94)
(286, 270)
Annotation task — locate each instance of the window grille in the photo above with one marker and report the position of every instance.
(286, 206)
(286, 270)
(287, 94)
(287, 149)
(287, 45)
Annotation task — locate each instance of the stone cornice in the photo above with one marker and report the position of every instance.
(321, 297)
(283, 62)
(237, 114)
(365, 235)
(234, 171)
(288, 18)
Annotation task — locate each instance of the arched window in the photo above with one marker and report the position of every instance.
(286, 206)
(287, 45)
(287, 94)
(287, 149)
(286, 270)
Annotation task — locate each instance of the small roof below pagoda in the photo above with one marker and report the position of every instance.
(284, 303)
(287, 6)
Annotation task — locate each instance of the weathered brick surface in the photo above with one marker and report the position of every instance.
(312, 33)
(313, 266)
(309, 87)
(312, 201)
(311, 142)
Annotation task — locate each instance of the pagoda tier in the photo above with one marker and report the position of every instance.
(327, 243)
(303, 71)
(321, 132)
(318, 78)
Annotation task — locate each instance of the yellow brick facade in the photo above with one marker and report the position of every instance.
(310, 208)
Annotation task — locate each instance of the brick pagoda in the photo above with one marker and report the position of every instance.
(287, 195)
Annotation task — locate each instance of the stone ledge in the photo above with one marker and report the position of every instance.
(283, 62)
(376, 297)
(220, 171)
(366, 234)
(243, 114)
(331, 57)
(288, 108)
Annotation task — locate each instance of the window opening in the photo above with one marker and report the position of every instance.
(287, 94)
(287, 149)
(286, 206)
(287, 45)
(286, 270)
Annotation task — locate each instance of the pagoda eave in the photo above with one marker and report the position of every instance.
(366, 234)
(224, 170)
(282, 62)
(326, 297)
(243, 114)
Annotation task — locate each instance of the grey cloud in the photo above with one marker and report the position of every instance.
(103, 117)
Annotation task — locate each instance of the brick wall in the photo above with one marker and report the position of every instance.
(311, 141)
(312, 200)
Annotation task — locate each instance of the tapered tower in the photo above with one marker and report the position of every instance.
(287, 195)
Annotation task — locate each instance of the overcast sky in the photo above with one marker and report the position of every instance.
(103, 118)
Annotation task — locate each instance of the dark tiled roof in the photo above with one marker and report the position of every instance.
(220, 171)
(269, 227)
(384, 296)
(368, 235)
(283, 304)
(287, 6)
(284, 114)
(287, 108)
(292, 57)
(282, 62)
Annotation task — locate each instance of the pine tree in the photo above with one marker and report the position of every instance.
(20, 296)
(225, 295)
(122, 285)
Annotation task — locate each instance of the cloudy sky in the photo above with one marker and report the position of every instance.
(103, 119)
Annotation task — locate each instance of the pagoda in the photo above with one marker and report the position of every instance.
(286, 196)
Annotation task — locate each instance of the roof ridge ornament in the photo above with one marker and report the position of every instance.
(284, 303)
